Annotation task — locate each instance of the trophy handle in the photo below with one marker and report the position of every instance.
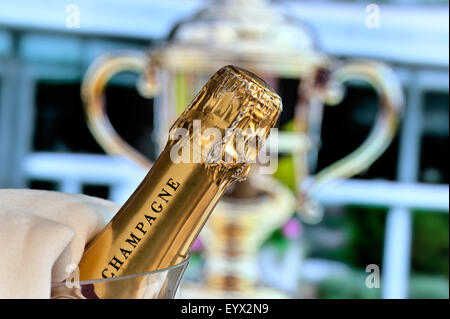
(390, 94)
(92, 93)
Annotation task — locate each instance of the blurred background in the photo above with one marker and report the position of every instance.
(392, 218)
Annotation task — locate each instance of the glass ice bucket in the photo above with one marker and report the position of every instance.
(159, 284)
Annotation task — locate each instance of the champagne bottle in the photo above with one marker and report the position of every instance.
(158, 224)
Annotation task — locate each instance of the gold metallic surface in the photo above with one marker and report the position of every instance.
(255, 35)
(250, 33)
(234, 234)
(92, 89)
(158, 224)
(389, 91)
(390, 99)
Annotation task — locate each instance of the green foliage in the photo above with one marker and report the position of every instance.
(364, 230)
(278, 241)
(285, 172)
(368, 235)
(430, 249)
(426, 286)
(352, 286)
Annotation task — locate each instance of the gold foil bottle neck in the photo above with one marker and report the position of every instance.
(158, 224)
(242, 107)
(230, 95)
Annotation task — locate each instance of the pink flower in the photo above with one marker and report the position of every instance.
(197, 246)
(292, 229)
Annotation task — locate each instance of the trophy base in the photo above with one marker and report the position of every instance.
(199, 291)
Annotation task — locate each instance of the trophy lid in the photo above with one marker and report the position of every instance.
(249, 33)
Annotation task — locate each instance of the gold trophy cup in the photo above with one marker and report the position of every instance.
(256, 36)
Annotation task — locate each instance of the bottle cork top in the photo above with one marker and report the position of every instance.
(243, 108)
